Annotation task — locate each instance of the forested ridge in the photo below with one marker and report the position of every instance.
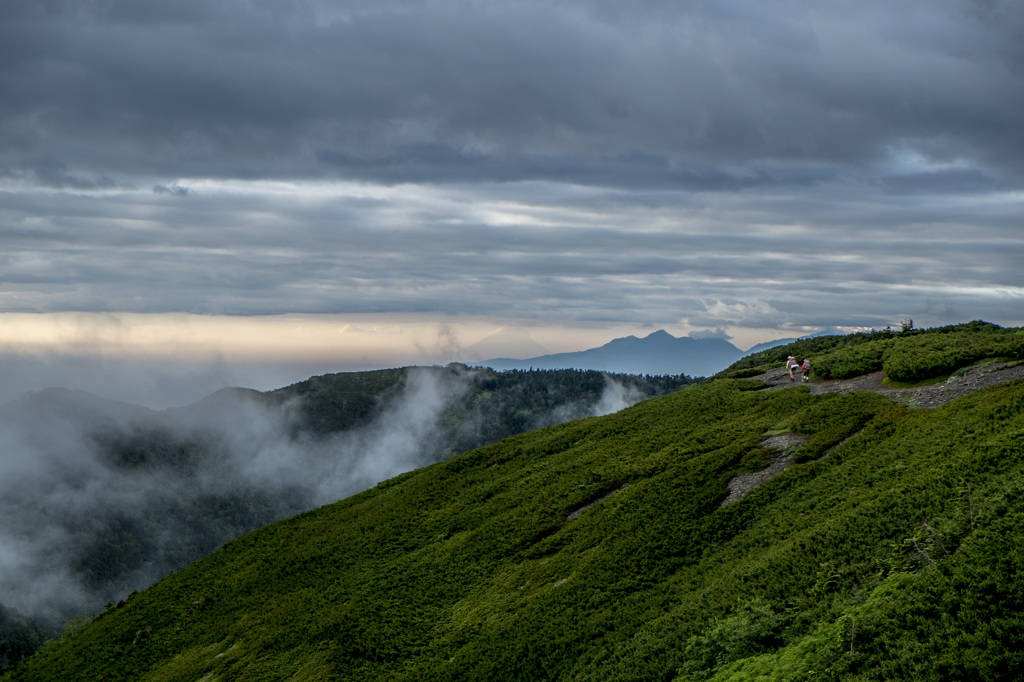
(600, 549)
(494, 406)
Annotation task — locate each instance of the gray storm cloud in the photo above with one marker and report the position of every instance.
(690, 94)
(844, 163)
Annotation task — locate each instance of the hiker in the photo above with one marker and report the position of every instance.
(806, 367)
(792, 365)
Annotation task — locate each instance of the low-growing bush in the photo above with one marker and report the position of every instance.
(748, 372)
(851, 362)
(922, 357)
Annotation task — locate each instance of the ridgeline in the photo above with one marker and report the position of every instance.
(886, 544)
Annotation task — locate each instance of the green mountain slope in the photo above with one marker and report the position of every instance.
(600, 550)
(99, 498)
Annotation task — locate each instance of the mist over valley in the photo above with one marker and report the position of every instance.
(100, 497)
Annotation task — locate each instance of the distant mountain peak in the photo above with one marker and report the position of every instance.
(505, 342)
(658, 353)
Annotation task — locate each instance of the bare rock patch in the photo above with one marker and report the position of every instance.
(785, 444)
(587, 506)
(921, 397)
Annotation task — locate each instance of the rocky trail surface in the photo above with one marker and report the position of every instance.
(919, 397)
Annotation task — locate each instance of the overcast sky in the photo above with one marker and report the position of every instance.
(580, 169)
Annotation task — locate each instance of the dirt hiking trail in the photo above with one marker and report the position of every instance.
(918, 397)
(921, 397)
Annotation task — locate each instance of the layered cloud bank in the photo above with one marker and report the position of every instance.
(781, 165)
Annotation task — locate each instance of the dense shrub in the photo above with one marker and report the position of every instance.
(851, 361)
(908, 355)
(921, 357)
(815, 346)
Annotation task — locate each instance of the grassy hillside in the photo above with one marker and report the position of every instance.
(599, 550)
(907, 356)
(109, 497)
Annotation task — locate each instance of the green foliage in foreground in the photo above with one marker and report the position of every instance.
(909, 356)
(919, 356)
(812, 347)
(598, 550)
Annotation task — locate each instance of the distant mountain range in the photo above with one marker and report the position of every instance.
(831, 331)
(659, 353)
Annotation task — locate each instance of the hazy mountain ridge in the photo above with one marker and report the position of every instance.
(786, 341)
(101, 497)
(656, 354)
(600, 549)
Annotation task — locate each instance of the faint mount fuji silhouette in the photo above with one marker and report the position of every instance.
(503, 343)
